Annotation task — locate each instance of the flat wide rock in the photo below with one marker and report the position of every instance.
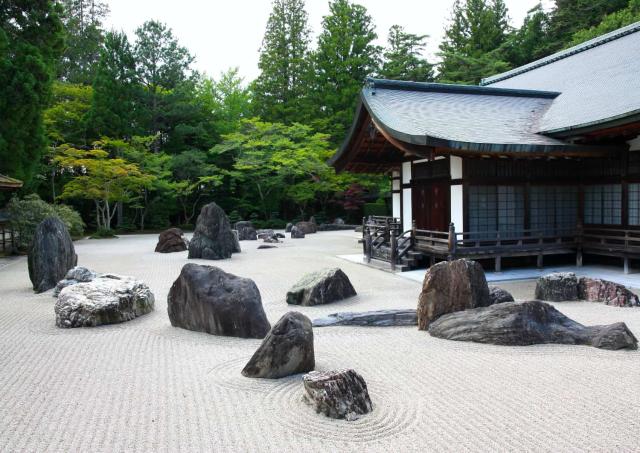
(609, 293)
(213, 238)
(341, 394)
(287, 349)
(377, 318)
(51, 254)
(557, 287)
(207, 299)
(321, 287)
(107, 299)
(451, 286)
(171, 241)
(528, 323)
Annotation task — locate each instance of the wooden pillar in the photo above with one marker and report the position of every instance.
(394, 252)
(540, 255)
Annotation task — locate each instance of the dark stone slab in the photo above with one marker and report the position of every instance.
(528, 323)
(340, 394)
(213, 238)
(321, 287)
(287, 349)
(51, 254)
(207, 299)
(377, 318)
(266, 246)
(557, 287)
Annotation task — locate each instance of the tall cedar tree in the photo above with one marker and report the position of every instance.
(31, 41)
(403, 57)
(471, 46)
(280, 89)
(610, 22)
(162, 64)
(344, 58)
(115, 89)
(83, 23)
(530, 41)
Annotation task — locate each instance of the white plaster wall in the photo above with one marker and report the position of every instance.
(455, 167)
(457, 211)
(634, 145)
(406, 172)
(407, 217)
(395, 184)
(395, 202)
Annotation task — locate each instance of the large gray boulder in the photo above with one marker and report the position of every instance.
(321, 287)
(75, 275)
(106, 299)
(171, 240)
(527, 323)
(451, 286)
(297, 233)
(341, 394)
(610, 293)
(307, 227)
(377, 318)
(213, 238)
(557, 287)
(207, 299)
(51, 254)
(246, 231)
(287, 229)
(287, 349)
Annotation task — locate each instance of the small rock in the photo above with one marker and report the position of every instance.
(236, 242)
(338, 394)
(246, 231)
(107, 299)
(171, 240)
(307, 227)
(297, 233)
(213, 238)
(557, 287)
(266, 246)
(287, 349)
(75, 275)
(499, 295)
(280, 236)
(451, 286)
(51, 254)
(378, 318)
(207, 299)
(288, 227)
(527, 323)
(597, 290)
(265, 234)
(322, 287)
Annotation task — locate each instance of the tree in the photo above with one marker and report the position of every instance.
(471, 49)
(344, 58)
(31, 41)
(115, 89)
(280, 89)
(101, 179)
(83, 23)
(403, 58)
(610, 22)
(530, 41)
(162, 64)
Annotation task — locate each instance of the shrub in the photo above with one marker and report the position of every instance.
(376, 209)
(103, 233)
(26, 214)
(271, 224)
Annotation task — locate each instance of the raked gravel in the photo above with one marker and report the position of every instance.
(146, 386)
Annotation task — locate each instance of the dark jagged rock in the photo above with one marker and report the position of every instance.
(246, 231)
(451, 286)
(207, 299)
(557, 287)
(338, 394)
(297, 233)
(307, 227)
(321, 287)
(266, 246)
(75, 275)
(597, 290)
(287, 349)
(288, 227)
(527, 323)
(378, 318)
(172, 240)
(51, 254)
(107, 299)
(499, 295)
(213, 238)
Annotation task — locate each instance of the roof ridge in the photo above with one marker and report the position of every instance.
(595, 42)
(373, 83)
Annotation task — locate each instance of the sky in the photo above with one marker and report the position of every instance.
(227, 33)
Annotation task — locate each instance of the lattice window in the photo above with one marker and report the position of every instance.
(553, 209)
(603, 204)
(634, 204)
(496, 208)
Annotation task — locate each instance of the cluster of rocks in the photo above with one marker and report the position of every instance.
(172, 240)
(566, 286)
(213, 238)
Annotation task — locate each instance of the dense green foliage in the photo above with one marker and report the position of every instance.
(28, 212)
(135, 138)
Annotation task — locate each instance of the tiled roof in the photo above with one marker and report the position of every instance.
(599, 81)
(9, 183)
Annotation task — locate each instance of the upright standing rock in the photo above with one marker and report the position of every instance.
(297, 233)
(288, 227)
(171, 240)
(213, 238)
(287, 349)
(307, 227)
(451, 286)
(557, 287)
(246, 231)
(337, 394)
(207, 299)
(51, 255)
(322, 287)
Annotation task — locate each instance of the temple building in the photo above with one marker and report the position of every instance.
(541, 160)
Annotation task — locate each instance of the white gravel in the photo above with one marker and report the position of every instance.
(146, 386)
